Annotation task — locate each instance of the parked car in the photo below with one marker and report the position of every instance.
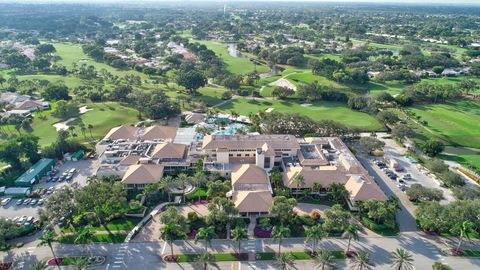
(41, 201)
(402, 186)
(27, 201)
(19, 202)
(33, 202)
(407, 177)
(6, 201)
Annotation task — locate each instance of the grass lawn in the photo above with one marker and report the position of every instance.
(210, 95)
(332, 56)
(317, 111)
(297, 255)
(103, 117)
(218, 257)
(235, 65)
(72, 53)
(391, 87)
(307, 77)
(97, 238)
(198, 193)
(456, 122)
(119, 224)
(471, 253)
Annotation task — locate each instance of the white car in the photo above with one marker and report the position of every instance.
(6, 201)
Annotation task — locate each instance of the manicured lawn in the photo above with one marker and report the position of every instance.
(456, 122)
(297, 255)
(332, 56)
(120, 224)
(72, 53)
(317, 111)
(198, 193)
(211, 95)
(97, 238)
(391, 87)
(307, 77)
(218, 257)
(235, 65)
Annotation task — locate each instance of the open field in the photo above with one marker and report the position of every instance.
(317, 111)
(391, 87)
(103, 117)
(456, 122)
(235, 65)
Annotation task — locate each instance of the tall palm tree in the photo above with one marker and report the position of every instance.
(299, 181)
(362, 262)
(84, 237)
(314, 234)
(199, 179)
(316, 188)
(167, 183)
(169, 232)
(47, 239)
(402, 260)
(183, 180)
(90, 127)
(279, 233)
(207, 234)
(351, 233)
(284, 261)
(205, 258)
(39, 265)
(239, 234)
(324, 260)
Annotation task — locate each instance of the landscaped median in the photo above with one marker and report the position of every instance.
(261, 256)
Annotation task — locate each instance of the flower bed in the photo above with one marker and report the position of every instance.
(456, 252)
(192, 234)
(5, 266)
(261, 233)
(170, 258)
(55, 261)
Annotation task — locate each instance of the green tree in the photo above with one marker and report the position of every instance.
(440, 266)
(464, 230)
(338, 193)
(207, 234)
(299, 182)
(239, 234)
(183, 181)
(217, 189)
(314, 234)
(324, 260)
(192, 80)
(284, 261)
(84, 237)
(371, 144)
(47, 239)
(336, 219)
(283, 208)
(205, 259)
(80, 263)
(170, 232)
(351, 232)
(362, 262)
(278, 234)
(402, 260)
(432, 147)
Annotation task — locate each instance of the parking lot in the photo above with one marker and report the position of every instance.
(83, 168)
(419, 175)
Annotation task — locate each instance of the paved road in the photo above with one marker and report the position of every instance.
(148, 255)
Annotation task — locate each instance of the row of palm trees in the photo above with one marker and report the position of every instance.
(400, 260)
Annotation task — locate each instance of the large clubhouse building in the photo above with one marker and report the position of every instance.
(143, 155)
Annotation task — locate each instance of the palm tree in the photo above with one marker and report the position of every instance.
(299, 181)
(47, 240)
(402, 260)
(169, 232)
(314, 234)
(199, 179)
(464, 230)
(80, 263)
(351, 233)
(239, 234)
(207, 234)
(183, 180)
(39, 265)
(284, 261)
(167, 183)
(324, 260)
(90, 127)
(278, 233)
(362, 262)
(83, 129)
(84, 237)
(205, 258)
(316, 188)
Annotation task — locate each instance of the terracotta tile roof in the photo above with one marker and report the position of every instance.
(143, 174)
(324, 176)
(212, 142)
(249, 174)
(362, 188)
(130, 160)
(159, 132)
(252, 201)
(122, 132)
(169, 150)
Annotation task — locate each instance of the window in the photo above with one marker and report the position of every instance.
(247, 155)
(239, 155)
